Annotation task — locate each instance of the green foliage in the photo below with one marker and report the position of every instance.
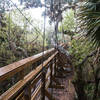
(86, 72)
(18, 39)
(89, 17)
(79, 50)
(6, 54)
(68, 23)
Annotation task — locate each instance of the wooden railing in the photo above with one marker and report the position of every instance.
(33, 81)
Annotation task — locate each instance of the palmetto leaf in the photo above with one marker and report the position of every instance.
(90, 20)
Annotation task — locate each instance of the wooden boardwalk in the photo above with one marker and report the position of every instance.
(37, 80)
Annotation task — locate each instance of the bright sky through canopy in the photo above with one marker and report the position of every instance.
(35, 13)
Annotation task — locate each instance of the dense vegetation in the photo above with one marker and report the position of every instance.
(12, 41)
(86, 53)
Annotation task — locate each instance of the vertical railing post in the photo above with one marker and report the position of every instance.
(43, 83)
(51, 69)
(27, 91)
(55, 65)
(21, 74)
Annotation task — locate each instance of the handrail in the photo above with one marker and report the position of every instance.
(26, 83)
(11, 69)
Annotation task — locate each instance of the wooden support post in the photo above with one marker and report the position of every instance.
(57, 63)
(27, 91)
(51, 72)
(49, 95)
(55, 66)
(43, 84)
(21, 74)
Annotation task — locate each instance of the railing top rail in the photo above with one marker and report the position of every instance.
(11, 69)
(13, 90)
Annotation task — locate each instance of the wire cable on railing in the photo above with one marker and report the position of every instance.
(25, 17)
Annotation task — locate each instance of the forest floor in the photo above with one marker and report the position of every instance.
(68, 93)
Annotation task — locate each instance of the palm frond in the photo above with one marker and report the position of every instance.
(89, 16)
